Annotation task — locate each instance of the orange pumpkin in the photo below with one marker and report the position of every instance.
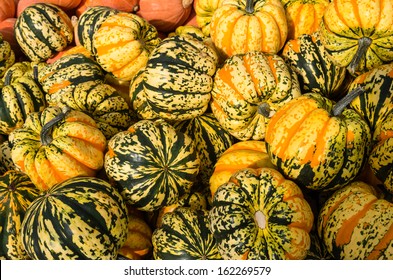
(7, 9)
(165, 15)
(65, 5)
(7, 30)
(121, 5)
(241, 26)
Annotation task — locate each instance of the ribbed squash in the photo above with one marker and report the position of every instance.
(88, 23)
(318, 143)
(243, 154)
(57, 144)
(176, 83)
(259, 215)
(358, 34)
(80, 218)
(18, 99)
(99, 100)
(69, 71)
(185, 235)
(23, 68)
(7, 55)
(241, 26)
(16, 194)
(211, 141)
(122, 44)
(303, 16)
(381, 156)
(248, 89)
(42, 30)
(376, 102)
(356, 223)
(152, 163)
(204, 10)
(6, 162)
(314, 67)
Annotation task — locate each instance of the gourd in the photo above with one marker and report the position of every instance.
(57, 144)
(241, 26)
(318, 143)
(130, 6)
(248, 89)
(66, 5)
(260, 215)
(16, 194)
(42, 30)
(82, 218)
(204, 10)
(355, 223)
(152, 164)
(7, 56)
(185, 235)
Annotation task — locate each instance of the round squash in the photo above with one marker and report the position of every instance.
(176, 83)
(248, 89)
(152, 163)
(241, 26)
(57, 144)
(358, 34)
(259, 215)
(42, 30)
(355, 223)
(16, 194)
(320, 144)
(185, 235)
(82, 218)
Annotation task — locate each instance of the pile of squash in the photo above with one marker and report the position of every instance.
(204, 129)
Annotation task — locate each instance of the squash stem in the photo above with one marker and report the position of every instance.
(250, 6)
(265, 110)
(45, 138)
(363, 45)
(339, 107)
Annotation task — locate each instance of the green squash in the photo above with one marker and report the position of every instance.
(81, 218)
(152, 163)
(16, 194)
(185, 235)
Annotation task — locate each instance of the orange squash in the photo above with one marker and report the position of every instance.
(121, 5)
(165, 15)
(65, 5)
(7, 9)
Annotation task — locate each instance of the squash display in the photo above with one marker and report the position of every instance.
(42, 30)
(358, 34)
(355, 223)
(16, 194)
(259, 215)
(57, 144)
(152, 163)
(320, 144)
(177, 81)
(248, 89)
(241, 26)
(80, 218)
(185, 235)
(315, 69)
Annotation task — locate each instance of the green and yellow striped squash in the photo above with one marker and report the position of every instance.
(211, 141)
(314, 67)
(42, 30)
(248, 89)
(6, 162)
(16, 194)
(122, 44)
(69, 71)
(176, 83)
(380, 159)
(99, 100)
(7, 56)
(23, 68)
(57, 144)
(260, 215)
(356, 223)
(89, 22)
(185, 235)
(80, 218)
(358, 34)
(152, 163)
(17, 100)
(320, 144)
(376, 101)
(241, 26)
